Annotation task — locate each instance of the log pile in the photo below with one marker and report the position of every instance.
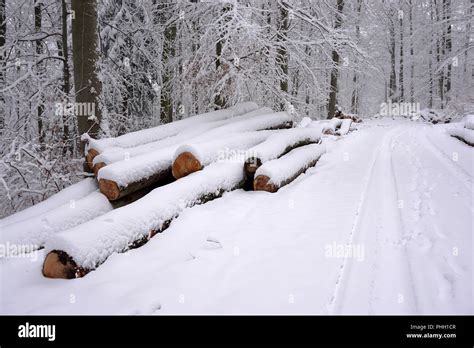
(142, 181)
(96, 146)
(75, 252)
(197, 132)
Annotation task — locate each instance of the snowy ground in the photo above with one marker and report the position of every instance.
(395, 198)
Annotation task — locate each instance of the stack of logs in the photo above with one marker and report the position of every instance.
(295, 150)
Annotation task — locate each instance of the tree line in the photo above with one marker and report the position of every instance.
(130, 65)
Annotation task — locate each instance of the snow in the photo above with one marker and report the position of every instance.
(321, 126)
(396, 194)
(221, 149)
(260, 122)
(93, 242)
(167, 130)
(281, 169)
(305, 122)
(115, 154)
(36, 230)
(334, 123)
(73, 192)
(345, 126)
(277, 144)
(469, 122)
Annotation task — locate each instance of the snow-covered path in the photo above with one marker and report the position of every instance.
(382, 224)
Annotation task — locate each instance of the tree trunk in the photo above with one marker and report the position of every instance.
(355, 80)
(169, 52)
(38, 48)
(400, 74)
(412, 63)
(282, 52)
(3, 32)
(439, 56)
(335, 63)
(392, 88)
(66, 76)
(430, 66)
(219, 100)
(448, 44)
(88, 87)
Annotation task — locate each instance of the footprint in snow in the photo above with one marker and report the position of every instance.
(212, 243)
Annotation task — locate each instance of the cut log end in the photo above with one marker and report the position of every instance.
(97, 167)
(185, 164)
(110, 189)
(59, 264)
(262, 183)
(91, 154)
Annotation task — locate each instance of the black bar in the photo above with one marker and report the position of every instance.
(288, 330)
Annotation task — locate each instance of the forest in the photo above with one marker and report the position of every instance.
(110, 67)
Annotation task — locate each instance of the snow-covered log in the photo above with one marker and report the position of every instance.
(190, 158)
(124, 177)
(276, 120)
(73, 192)
(76, 251)
(466, 135)
(345, 126)
(31, 234)
(162, 176)
(276, 146)
(274, 174)
(115, 154)
(96, 146)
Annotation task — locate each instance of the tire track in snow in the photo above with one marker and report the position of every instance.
(407, 258)
(374, 186)
(336, 300)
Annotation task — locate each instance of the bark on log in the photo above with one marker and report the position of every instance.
(91, 153)
(465, 141)
(97, 167)
(185, 164)
(113, 191)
